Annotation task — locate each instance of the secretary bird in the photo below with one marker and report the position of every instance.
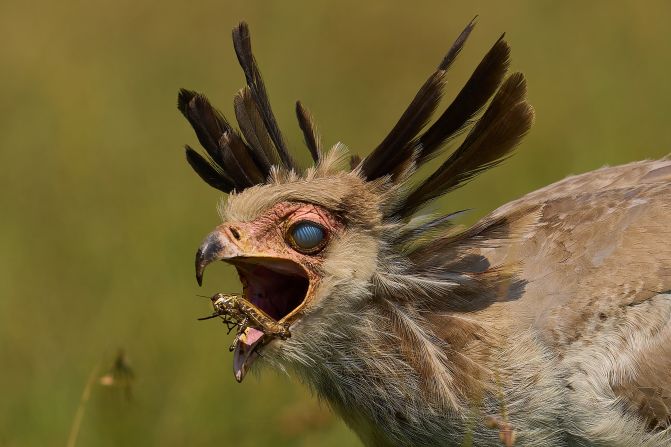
(546, 323)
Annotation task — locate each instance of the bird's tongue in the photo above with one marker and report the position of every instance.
(245, 352)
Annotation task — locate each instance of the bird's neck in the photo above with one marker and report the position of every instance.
(386, 370)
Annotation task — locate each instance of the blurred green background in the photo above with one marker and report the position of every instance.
(101, 216)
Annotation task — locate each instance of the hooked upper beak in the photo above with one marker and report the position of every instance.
(216, 246)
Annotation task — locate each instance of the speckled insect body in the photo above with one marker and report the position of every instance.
(236, 311)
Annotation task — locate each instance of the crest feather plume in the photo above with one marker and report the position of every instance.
(257, 153)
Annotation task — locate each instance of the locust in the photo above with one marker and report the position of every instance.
(236, 311)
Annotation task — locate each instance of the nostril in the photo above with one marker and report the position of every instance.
(235, 233)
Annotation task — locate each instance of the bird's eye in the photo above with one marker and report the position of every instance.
(307, 237)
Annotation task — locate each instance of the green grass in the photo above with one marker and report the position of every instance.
(101, 216)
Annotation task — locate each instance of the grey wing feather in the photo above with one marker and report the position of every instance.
(597, 264)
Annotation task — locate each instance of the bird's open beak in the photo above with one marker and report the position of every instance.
(278, 286)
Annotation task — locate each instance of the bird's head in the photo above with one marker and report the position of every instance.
(301, 246)
(312, 244)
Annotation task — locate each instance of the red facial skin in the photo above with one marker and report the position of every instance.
(267, 237)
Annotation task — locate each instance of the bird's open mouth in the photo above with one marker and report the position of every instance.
(274, 291)
(276, 286)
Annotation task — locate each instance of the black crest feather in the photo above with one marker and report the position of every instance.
(243, 49)
(473, 96)
(397, 146)
(507, 119)
(206, 169)
(310, 132)
(253, 129)
(236, 161)
(401, 145)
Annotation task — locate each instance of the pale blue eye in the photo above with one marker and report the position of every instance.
(307, 235)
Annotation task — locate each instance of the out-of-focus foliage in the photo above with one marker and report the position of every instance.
(100, 215)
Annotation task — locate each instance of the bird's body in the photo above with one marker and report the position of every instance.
(547, 323)
(582, 353)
